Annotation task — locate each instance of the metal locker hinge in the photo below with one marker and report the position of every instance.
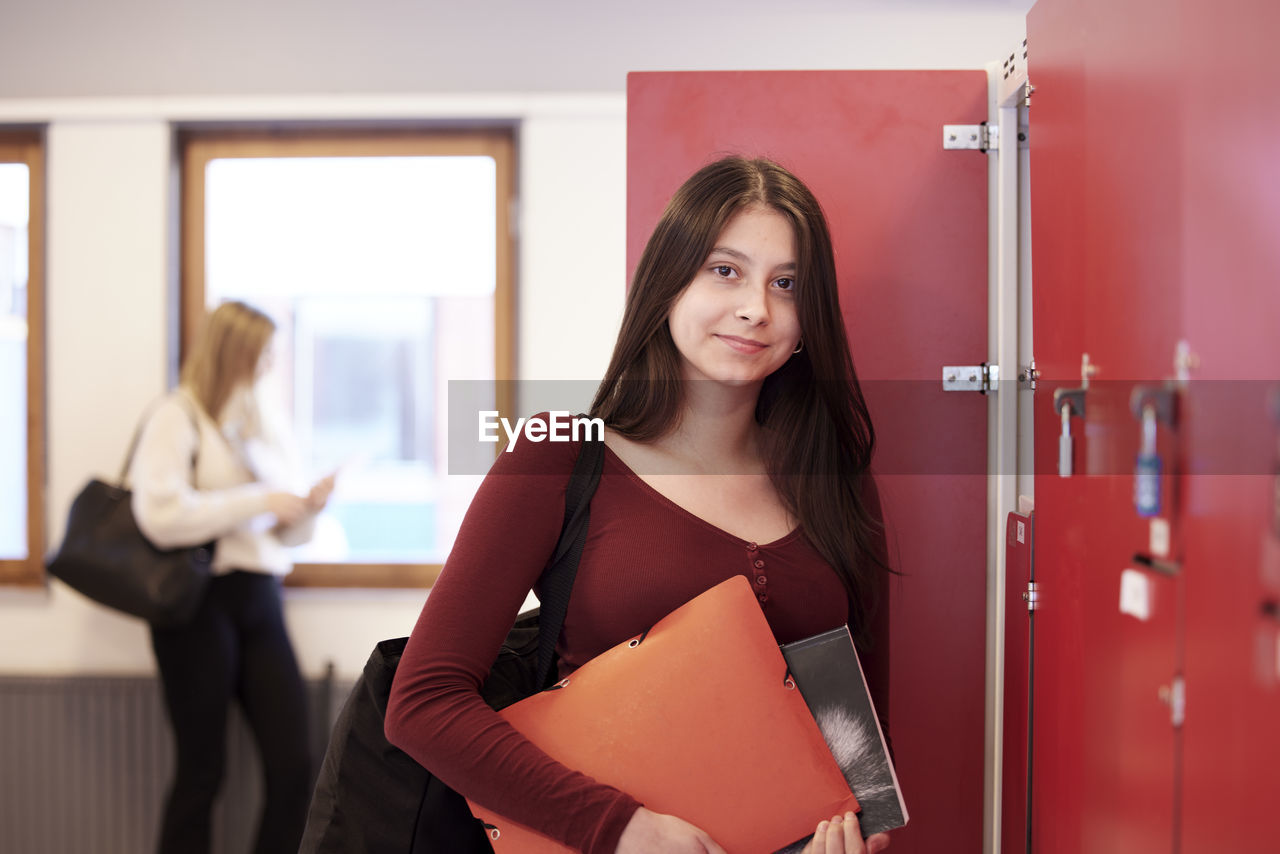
(1027, 376)
(971, 137)
(982, 378)
(1032, 596)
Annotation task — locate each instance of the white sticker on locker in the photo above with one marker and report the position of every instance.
(1159, 539)
(1022, 532)
(1135, 594)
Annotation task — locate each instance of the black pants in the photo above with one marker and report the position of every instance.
(235, 647)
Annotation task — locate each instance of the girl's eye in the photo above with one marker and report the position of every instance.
(722, 270)
(785, 284)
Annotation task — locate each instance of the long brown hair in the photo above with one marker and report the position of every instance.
(226, 354)
(818, 437)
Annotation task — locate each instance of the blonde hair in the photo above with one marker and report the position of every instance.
(226, 354)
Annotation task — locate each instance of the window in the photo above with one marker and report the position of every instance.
(22, 433)
(385, 260)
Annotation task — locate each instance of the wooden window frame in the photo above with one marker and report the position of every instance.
(197, 147)
(28, 147)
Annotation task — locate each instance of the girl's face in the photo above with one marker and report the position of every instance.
(736, 322)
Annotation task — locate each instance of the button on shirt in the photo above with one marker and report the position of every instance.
(756, 572)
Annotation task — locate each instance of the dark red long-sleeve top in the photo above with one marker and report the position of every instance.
(644, 557)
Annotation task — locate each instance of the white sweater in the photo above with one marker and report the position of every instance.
(226, 501)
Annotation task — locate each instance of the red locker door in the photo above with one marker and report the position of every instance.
(1148, 231)
(1103, 148)
(1231, 304)
(909, 221)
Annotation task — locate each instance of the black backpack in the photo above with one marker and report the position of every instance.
(372, 797)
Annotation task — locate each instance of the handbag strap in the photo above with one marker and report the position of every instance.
(557, 579)
(187, 405)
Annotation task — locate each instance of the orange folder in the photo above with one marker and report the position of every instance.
(698, 718)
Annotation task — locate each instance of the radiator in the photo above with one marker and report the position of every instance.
(85, 761)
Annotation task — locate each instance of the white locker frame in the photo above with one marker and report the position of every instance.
(1010, 462)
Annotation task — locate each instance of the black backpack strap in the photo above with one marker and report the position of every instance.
(557, 579)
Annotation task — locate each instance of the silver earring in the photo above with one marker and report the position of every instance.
(799, 347)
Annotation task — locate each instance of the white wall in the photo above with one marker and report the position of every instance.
(109, 81)
(109, 312)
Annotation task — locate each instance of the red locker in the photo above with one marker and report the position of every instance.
(1102, 213)
(909, 221)
(1230, 282)
(1156, 733)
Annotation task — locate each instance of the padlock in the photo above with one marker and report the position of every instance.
(1064, 444)
(1152, 406)
(1067, 402)
(1146, 473)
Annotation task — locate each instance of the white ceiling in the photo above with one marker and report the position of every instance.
(54, 48)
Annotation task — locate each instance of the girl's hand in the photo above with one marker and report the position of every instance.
(649, 831)
(842, 835)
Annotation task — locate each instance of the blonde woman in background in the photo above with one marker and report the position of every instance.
(212, 465)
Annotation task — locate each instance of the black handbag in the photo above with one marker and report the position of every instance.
(107, 558)
(373, 798)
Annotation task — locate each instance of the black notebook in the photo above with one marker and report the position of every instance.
(830, 677)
